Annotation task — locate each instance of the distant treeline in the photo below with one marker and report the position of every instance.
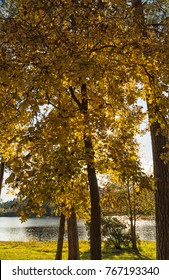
(9, 208)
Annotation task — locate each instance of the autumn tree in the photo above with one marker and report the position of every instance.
(50, 167)
(69, 55)
(151, 24)
(138, 199)
(51, 49)
(128, 190)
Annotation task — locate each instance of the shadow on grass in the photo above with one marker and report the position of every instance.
(123, 254)
(117, 254)
(85, 255)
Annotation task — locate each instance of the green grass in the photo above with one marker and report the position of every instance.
(34, 250)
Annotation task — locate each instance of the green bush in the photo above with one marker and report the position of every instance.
(114, 233)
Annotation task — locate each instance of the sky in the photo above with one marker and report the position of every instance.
(146, 152)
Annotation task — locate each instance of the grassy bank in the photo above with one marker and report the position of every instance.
(34, 250)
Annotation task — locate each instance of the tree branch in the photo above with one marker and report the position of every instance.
(75, 98)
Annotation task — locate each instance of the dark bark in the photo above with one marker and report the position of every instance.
(132, 218)
(161, 170)
(95, 226)
(2, 168)
(133, 234)
(60, 238)
(161, 174)
(139, 16)
(73, 241)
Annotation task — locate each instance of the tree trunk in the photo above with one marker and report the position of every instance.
(134, 221)
(161, 170)
(60, 238)
(73, 242)
(161, 174)
(133, 233)
(2, 168)
(95, 228)
(132, 218)
(95, 225)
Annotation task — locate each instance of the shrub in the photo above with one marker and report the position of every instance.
(115, 233)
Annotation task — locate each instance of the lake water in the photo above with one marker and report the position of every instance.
(11, 229)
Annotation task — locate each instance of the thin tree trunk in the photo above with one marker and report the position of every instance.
(2, 168)
(95, 225)
(133, 234)
(132, 219)
(95, 230)
(60, 238)
(73, 241)
(161, 170)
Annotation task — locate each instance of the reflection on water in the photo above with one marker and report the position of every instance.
(146, 230)
(11, 229)
(47, 229)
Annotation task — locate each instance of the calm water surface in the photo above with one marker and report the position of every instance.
(11, 229)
